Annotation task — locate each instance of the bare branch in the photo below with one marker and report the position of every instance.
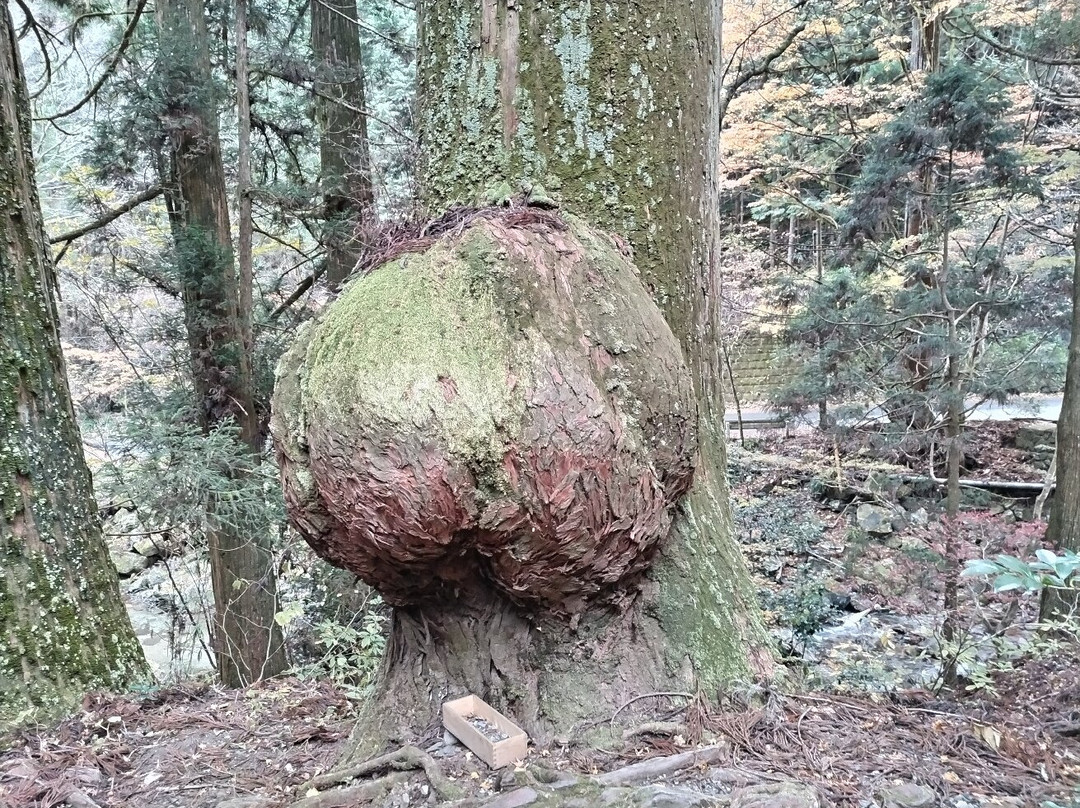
(308, 84)
(759, 69)
(34, 26)
(298, 292)
(363, 25)
(125, 40)
(1003, 48)
(106, 218)
(155, 279)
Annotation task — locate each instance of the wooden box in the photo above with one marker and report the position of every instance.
(496, 754)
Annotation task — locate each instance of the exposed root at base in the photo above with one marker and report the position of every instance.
(408, 758)
(353, 795)
(656, 767)
(668, 729)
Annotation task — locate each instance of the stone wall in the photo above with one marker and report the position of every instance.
(756, 366)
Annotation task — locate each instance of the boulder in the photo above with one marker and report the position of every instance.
(874, 519)
(150, 546)
(127, 564)
(776, 795)
(501, 407)
(1031, 434)
(907, 795)
(1042, 456)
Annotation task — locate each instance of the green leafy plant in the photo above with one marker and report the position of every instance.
(981, 656)
(1047, 571)
(351, 651)
(805, 608)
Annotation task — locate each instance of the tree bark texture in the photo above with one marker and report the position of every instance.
(245, 236)
(343, 140)
(923, 55)
(1063, 532)
(495, 433)
(247, 641)
(63, 626)
(610, 109)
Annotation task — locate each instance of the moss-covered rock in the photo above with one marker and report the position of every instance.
(507, 406)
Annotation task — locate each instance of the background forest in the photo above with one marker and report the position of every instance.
(899, 218)
(885, 162)
(109, 105)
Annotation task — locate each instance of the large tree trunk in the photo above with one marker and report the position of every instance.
(246, 228)
(612, 110)
(343, 138)
(1063, 531)
(63, 627)
(247, 641)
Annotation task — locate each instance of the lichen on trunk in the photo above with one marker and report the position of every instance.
(63, 626)
(614, 116)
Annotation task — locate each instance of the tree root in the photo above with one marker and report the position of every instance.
(408, 758)
(371, 791)
(656, 767)
(666, 694)
(667, 728)
(517, 798)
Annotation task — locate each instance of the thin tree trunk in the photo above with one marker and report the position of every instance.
(819, 263)
(486, 124)
(924, 55)
(343, 138)
(734, 392)
(63, 626)
(244, 238)
(1063, 531)
(247, 641)
(792, 235)
(774, 242)
(954, 444)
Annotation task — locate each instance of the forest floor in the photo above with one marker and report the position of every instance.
(859, 714)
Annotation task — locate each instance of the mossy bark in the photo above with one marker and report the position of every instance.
(63, 627)
(611, 109)
(247, 641)
(608, 109)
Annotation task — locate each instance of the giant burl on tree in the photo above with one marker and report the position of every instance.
(496, 428)
(504, 415)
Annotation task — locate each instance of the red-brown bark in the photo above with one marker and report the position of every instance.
(569, 499)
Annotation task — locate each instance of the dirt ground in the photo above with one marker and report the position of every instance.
(857, 710)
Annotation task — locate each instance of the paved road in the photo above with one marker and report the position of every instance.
(1041, 406)
(1045, 407)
